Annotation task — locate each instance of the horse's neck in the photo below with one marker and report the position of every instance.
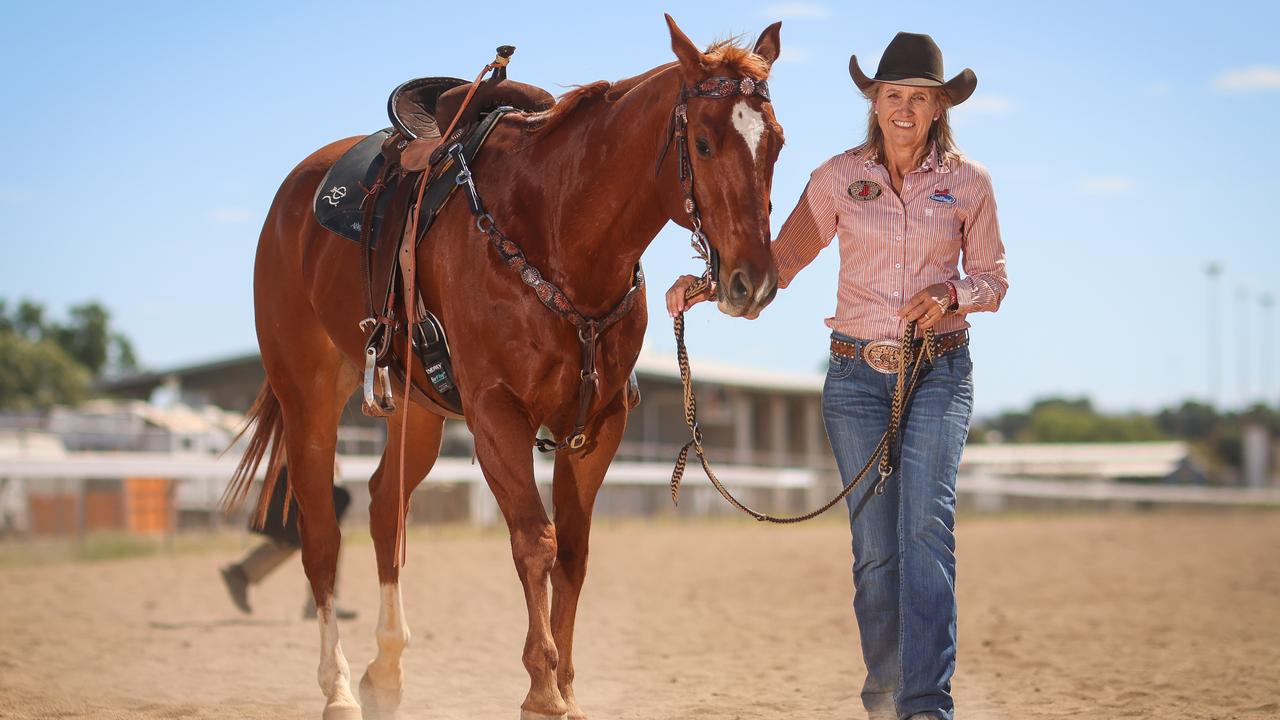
(610, 210)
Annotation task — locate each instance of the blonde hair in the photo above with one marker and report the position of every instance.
(941, 139)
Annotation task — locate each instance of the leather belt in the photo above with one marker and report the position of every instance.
(882, 355)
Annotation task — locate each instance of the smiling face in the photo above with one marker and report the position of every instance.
(905, 113)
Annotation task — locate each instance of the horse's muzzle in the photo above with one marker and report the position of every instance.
(743, 293)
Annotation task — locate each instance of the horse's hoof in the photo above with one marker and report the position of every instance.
(527, 715)
(342, 710)
(379, 703)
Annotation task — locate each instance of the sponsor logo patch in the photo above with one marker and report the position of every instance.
(865, 190)
(943, 196)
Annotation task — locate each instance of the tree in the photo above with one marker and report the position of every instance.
(38, 374)
(45, 363)
(89, 340)
(1054, 420)
(1192, 420)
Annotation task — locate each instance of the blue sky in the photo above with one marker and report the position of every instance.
(1130, 144)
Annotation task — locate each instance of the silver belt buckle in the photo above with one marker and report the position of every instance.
(882, 355)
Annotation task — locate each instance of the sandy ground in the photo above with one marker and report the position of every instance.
(1096, 616)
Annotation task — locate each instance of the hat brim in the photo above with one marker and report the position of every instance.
(958, 88)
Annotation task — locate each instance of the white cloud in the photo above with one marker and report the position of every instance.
(231, 216)
(1258, 77)
(1109, 185)
(987, 105)
(795, 11)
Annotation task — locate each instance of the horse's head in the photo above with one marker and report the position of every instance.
(731, 141)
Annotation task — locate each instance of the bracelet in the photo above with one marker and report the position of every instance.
(952, 296)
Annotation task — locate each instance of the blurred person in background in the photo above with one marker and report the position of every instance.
(281, 544)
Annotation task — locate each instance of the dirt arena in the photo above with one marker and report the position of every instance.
(1151, 615)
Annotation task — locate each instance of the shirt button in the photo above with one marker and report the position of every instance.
(898, 238)
(897, 265)
(895, 293)
(907, 186)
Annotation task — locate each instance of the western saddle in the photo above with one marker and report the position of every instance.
(402, 174)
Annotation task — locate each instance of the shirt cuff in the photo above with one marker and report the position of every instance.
(966, 295)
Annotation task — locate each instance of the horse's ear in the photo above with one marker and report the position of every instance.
(769, 45)
(691, 58)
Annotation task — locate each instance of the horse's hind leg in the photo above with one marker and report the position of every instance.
(382, 684)
(313, 382)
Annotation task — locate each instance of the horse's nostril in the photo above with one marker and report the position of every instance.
(739, 289)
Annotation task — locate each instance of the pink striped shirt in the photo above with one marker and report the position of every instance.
(892, 247)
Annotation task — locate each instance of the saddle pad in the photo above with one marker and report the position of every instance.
(337, 201)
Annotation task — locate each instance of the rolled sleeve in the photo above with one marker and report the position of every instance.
(808, 229)
(985, 282)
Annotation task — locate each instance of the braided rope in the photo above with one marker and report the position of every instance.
(902, 393)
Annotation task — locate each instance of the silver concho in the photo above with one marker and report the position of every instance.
(688, 205)
(747, 86)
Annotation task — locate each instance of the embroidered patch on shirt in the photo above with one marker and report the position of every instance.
(943, 196)
(865, 190)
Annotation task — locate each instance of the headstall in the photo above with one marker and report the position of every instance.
(713, 88)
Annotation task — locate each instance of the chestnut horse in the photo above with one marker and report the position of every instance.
(583, 187)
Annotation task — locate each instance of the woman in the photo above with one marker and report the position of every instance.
(907, 208)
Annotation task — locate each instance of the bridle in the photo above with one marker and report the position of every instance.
(715, 88)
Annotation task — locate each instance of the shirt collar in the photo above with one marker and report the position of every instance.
(930, 161)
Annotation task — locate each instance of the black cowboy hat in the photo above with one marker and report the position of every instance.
(914, 59)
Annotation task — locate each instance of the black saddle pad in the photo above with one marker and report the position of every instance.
(337, 202)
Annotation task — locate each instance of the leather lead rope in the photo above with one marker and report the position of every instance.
(408, 277)
(884, 450)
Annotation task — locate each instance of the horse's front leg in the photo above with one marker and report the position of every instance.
(578, 477)
(504, 438)
(383, 682)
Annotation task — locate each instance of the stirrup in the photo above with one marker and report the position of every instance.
(377, 387)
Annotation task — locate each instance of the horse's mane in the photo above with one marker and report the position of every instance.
(729, 58)
(725, 57)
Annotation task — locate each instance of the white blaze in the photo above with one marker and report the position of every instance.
(749, 123)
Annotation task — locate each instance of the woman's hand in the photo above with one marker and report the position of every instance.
(926, 307)
(676, 302)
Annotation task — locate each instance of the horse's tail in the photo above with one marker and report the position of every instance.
(268, 429)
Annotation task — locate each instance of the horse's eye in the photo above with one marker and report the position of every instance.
(704, 147)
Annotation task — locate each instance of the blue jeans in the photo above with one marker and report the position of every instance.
(904, 564)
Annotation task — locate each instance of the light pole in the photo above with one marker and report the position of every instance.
(1267, 302)
(1242, 325)
(1213, 271)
